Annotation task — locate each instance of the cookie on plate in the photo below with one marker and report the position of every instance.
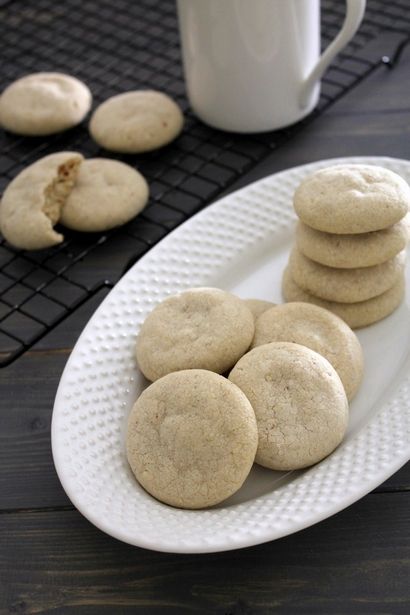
(258, 306)
(351, 251)
(44, 103)
(299, 401)
(345, 285)
(107, 193)
(204, 328)
(321, 331)
(32, 202)
(192, 439)
(356, 315)
(135, 122)
(352, 198)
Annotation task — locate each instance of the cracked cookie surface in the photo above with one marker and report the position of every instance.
(33, 200)
(352, 198)
(107, 193)
(203, 328)
(321, 331)
(44, 103)
(299, 401)
(137, 121)
(356, 315)
(345, 285)
(191, 439)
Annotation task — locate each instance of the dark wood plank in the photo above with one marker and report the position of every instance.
(27, 475)
(356, 562)
(400, 481)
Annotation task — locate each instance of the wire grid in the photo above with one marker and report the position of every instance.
(115, 47)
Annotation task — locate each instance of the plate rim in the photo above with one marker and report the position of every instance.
(263, 536)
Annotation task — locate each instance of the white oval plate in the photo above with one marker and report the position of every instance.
(240, 244)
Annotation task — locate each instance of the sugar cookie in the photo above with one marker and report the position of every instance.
(136, 122)
(43, 104)
(192, 438)
(299, 401)
(32, 202)
(107, 193)
(356, 315)
(351, 251)
(205, 328)
(352, 198)
(345, 285)
(321, 331)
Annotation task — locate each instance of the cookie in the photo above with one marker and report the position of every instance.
(33, 200)
(352, 198)
(204, 328)
(191, 439)
(319, 330)
(299, 401)
(107, 193)
(356, 315)
(345, 285)
(43, 104)
(352, 251)
(136, 122)
(258, 306)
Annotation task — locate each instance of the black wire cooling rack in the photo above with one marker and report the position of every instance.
(113, 47)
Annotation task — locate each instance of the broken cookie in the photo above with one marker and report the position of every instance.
(32, 202)
(84, 195)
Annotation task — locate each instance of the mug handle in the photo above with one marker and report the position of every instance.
(354, 15)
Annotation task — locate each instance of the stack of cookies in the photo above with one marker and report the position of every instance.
(351, 241)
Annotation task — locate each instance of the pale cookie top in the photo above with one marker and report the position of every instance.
(352, 198)
(205, 328)
(360, 314)
(192, 439)
(345, 285)
(107, 193)
(319, 330)
(136, 122)
(32, 202)
(258, 306)
(351, 251)
(44, 103)
(299, 401)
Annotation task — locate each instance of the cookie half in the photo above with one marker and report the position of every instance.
(203, 328)
(32, 202)
(321, 331)
(107, 193)
(192, 439)
(352, 198)
(356, 315)
(352, 251)
(135, 122)
(44, 103)
(299, 401)
(345, 285)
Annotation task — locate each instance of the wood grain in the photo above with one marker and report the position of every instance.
(356, 562)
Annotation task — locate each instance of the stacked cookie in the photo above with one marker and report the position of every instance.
(349, 255)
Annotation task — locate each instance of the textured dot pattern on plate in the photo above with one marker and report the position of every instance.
(101, 382)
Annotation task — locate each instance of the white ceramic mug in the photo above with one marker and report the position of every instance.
(255, 65)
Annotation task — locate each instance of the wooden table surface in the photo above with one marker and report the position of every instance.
(54, 561)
